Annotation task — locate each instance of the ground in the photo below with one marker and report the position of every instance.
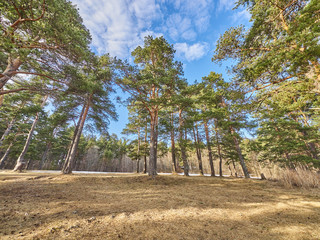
(132, 206)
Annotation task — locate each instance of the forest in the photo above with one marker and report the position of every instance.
(56, 105)
(239, 153)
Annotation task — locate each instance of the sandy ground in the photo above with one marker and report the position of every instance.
(83, 206)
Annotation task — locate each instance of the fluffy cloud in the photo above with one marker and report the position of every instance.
(179, 26)
(189, 18)
(241, 16)
(191, 52)
(226, 5)
(116, 25)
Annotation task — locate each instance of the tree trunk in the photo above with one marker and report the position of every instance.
(209, 148)
(28, 164)
(1, 98)
(10, 71)
(153, 146)
(145, 147)
(173, 147)
(138, 160)
(20, 161)
(77, 127)
(241, 158)
(311, 146)
(219, 147)
(235, 169)
(198, 150)
(44, 155)
(138, 166)
(145, 164)
(4, 157)
(229, 168)
(7, 131)
(182, 146)
(69, 162)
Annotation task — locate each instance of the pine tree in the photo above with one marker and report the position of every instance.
(38, 38)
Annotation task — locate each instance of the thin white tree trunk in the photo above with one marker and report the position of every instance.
(4, 157)
(20, 161)
(7, 131)
(241, 158)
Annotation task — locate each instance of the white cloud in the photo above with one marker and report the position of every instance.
(179, 26)
(116, 25)
(191, 52)
(119, 26)
(197, 13)
(241, 16)
(226, 5)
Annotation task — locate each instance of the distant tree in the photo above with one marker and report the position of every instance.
(151, 84)
(20, 161)
(93, 86)
(137, 127)
(288, 132)
(17, 111)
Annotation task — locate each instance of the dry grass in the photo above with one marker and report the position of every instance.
(300, 178)
(54, 206)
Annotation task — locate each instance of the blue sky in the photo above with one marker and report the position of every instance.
(192, 26)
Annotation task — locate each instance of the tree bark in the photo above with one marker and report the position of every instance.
(173, 147)
(10, 125)
(198, 150)
(241, 158)
(75, 132)
(219, 147)
(145, 164)
(7, 131)
(209, 148)
(311, 146)
(153, 146)
(4, 157)
(10, 71)
(44, 155)
(1, 97)
(229, 168)
(145, 146)
(235, 169)
(20, 161)
(138, 160)
(69, 162)
(182, 145)
(28, 164)
(138, 165)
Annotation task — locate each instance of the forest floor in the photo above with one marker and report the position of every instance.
(117, 206)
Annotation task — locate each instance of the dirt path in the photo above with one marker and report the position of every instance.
(54, 206)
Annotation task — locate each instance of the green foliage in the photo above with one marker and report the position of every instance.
(281, 45)
(34, 29)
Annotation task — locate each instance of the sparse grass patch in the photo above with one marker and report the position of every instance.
(132, 206)
(299, 178)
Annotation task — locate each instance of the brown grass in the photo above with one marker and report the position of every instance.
(54, 206)
(299, 178)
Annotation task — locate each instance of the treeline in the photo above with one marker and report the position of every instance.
(53, 87)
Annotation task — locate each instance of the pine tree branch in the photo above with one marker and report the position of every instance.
(41, 75)
(21, 20)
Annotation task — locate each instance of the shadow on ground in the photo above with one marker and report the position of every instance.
(53, 206)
